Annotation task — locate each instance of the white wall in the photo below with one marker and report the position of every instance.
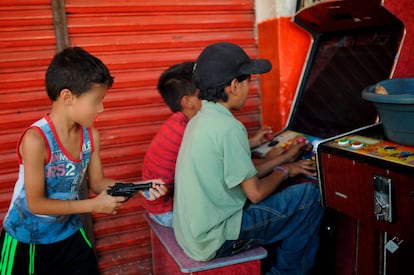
(268, 9)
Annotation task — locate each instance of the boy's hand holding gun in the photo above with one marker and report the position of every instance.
(151, 190)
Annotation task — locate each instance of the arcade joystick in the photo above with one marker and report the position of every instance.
(269, 136)
(306, 150)
(273, 143)
(301, 139)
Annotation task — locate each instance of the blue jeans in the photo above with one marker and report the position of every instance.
(290, 217)
(164, 219)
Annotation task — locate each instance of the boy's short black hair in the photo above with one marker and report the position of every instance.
(217, 94)
(176, 82)
(76, 70)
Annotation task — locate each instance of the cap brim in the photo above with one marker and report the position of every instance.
(256, 66)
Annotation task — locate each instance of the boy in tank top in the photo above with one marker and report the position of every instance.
(42, 230)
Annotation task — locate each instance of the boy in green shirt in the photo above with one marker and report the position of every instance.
(222, 206)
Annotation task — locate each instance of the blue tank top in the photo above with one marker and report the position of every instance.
(63, 178)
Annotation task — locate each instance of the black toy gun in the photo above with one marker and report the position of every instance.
(128, 189)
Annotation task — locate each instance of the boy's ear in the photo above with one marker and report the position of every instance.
(186, 102)
(232, 88)
(67, 96)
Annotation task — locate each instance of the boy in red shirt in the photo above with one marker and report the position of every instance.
(179, 93)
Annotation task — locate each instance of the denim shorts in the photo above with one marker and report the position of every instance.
(164, 219)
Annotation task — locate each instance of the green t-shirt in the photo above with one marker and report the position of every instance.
(213, 160)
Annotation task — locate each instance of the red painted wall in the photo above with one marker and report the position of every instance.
(403, 9)
(286, 45)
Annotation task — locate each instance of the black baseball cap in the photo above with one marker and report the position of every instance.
(220, 63)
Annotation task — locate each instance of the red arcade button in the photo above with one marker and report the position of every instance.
(357, 145)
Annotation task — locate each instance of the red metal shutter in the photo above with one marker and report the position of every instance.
(27, 44)
(137, 40)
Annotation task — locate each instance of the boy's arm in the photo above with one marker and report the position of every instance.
(97, 181)
(257, 189)
(265, 166)
(33, 151)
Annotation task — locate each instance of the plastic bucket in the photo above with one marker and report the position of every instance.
(395, 109)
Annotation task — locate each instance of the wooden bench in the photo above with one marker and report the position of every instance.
(169, 258)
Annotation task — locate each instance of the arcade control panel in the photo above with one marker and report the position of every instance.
(380, 149)
(284, 140)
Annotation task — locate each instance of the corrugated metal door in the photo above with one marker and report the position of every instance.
(27, 44)
(137, 40)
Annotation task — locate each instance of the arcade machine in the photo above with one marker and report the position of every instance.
(365, 179)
